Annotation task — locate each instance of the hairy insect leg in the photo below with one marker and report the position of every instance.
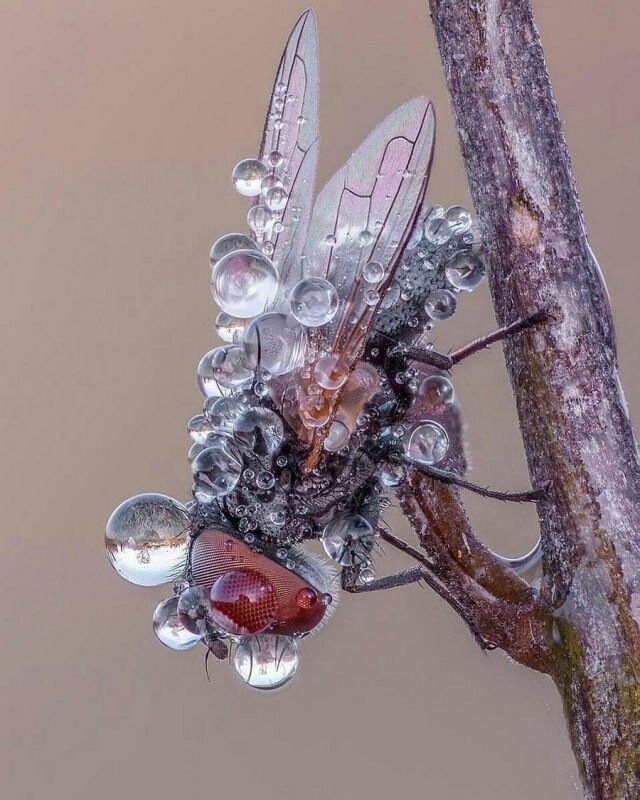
(404, 578)
(446, 362)
(407, 576)
(451, 479)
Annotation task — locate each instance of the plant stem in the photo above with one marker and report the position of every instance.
(572, 413)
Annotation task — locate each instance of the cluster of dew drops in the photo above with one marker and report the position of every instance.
(147, 536)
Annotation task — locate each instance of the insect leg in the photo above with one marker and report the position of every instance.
(483, 342)
(445, 362)
(407, 576)
(450, 478)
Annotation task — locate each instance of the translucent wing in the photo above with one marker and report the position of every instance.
(290, 146)
(366, 211)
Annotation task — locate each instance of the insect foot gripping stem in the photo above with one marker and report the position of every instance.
(311, 403)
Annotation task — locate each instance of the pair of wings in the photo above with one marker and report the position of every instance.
(367, 210)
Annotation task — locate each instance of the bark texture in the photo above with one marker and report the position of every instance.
(572, 412)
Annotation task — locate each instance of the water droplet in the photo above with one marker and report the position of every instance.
(268, 183)
(373, 272)
(366, 575)
(392, 474)
(242, 601)
(230, 329)
(330, 240)
(260, 430)
(329, 373)
(259, 219)
(365, 238)
(169, 629)
(371, 297)
(314, 411)
(275, 342)
(193, 609)
(208, 385)
(278, 516)
(459, 218)
(228, 244)
(440, 304)
(199, 427)
(428, 443)
(437, 231)
(146, 539)
(265, 480)
(276, 198)
(217, 471)
(194, 450)
(222, 412)
(465, 271)
(301, 120)
(275, 158)
(281, 87)
(247, 176)
(314, 302)
(337, 438)
(230, 368)
(391, 296)
(348, 539)
(244, 282)
(437, 391)
(266, 661)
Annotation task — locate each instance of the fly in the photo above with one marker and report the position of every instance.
(326, 394)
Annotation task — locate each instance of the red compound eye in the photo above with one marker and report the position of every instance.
(243, 601)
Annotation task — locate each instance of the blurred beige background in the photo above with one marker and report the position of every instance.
(121, 121)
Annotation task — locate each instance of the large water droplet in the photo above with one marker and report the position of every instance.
(314, 302)
(169, 629)
(437, 391)
(427, 443)
(266, 661)
(260, 219)
(260, 430)
(465, 271)
(244, 282)
(437, 231)
(228, 244)
(459, 218)
(440, 304)
(247, 176)
(348, 539)
(276, 198)
(146, 539)
(337, 438)
(230, 367)
(222, 412)
(330, 373)
(392, 474)
(193, 609)
(274, 342)
(315, 410)
(217, 471)
(230, 329)
(207, 383)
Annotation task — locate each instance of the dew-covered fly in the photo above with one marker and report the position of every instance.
(325, 394)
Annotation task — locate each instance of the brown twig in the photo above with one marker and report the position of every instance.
(572, 414)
